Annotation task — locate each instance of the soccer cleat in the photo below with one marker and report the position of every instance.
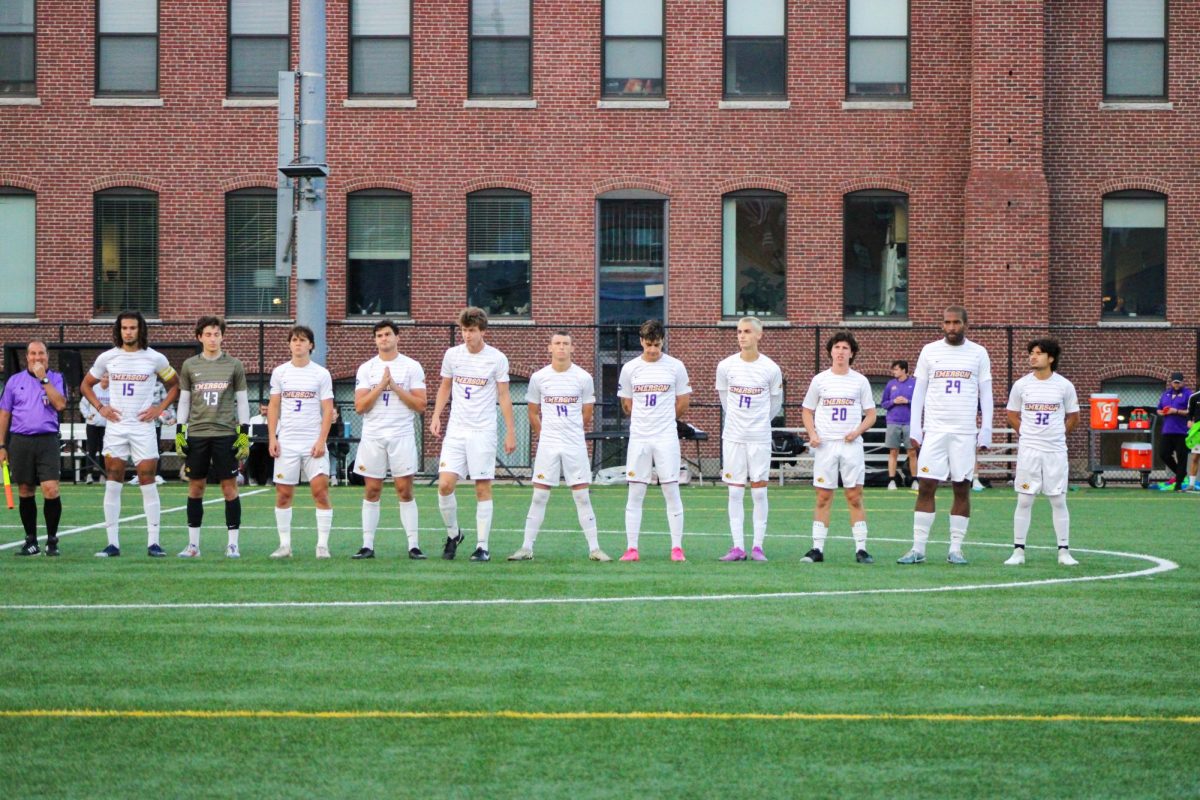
(28, 549)
(415, 554)
(364, 552)
(1017, 558)
(630, 555)
(481, 555)
(757, 554)
(156, 551)
(1066, 559)
(451, 548)
(813, 556)
(599, 555)
(976, 486)
(284, 551)
(677, 554)
(891, 486)
(523, 554)
(52, 549)
(191, 551)
(863, 557)
(734, 554)
(911, 557)
(112, 551)
(956, 557)
(322, 552)
(232, 551)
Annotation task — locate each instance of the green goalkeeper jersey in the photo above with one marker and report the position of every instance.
(214, 384)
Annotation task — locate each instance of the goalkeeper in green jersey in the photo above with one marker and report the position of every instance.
(214, 430)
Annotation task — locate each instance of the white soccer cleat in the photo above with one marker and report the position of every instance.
(232, 551)
(1066, 559)
(1017, 558)
(599, 555)
(891, 486)
(322, 552)
(191, 551)
(522, 554)
(283, 552)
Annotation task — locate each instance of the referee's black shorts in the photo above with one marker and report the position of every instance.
(211, 455)
(33, 459)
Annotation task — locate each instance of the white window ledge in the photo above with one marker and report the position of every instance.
(365, 321)
(754, 105)
(877, 105)
(499, 103)
(633, 104)
(766, 323)
(876, 322)
(20, 320)
(110, 320)
(396, 102)
(1119, 106)
(127, 102)
(20, 101)
(250, 102)
(510, 322)
(1133, 323)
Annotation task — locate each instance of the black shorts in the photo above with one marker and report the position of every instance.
(33, 459)
(211, 455)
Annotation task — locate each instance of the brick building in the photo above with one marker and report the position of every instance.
(864, 162)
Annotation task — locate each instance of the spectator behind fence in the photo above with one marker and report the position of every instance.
(95, 425)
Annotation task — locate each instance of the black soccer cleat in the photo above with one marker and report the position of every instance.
(364, 552)
(863, 557)
(481, 555)
(451, 548)
(52, 546)
(111, 551)
(28, 549)
(156, 551)
(415, 554)
(813, 556)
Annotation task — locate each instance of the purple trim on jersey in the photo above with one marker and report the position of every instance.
(29, 405)
(899, 414)
(1176, 423)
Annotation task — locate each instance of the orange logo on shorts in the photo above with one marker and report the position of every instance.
(631, 473)
(540, 475)
(361, 468)
(1024, 485)
(924, 469)
(820, 480)
(278, 474)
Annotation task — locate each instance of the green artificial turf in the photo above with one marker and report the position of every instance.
(1124, 647)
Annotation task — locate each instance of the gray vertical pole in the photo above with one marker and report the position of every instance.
(285, 200)
(310, 223)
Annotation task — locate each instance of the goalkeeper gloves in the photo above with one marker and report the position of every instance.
(241, 443)
(181, 442)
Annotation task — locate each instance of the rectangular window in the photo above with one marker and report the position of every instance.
(1135, 49)
(875, 252)
(631, 286)
(258, 46)
(1134, 272)
(125, 258)
(633, 48)
(499, 267)
(877, 49)
(755, 48)
(251, 286)
(18, 65)
(127, 47)
(17, 256)
(501, 48)
(380, 48)
(754, 255)
(378, 253)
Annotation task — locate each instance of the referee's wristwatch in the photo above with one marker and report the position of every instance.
(45, 380)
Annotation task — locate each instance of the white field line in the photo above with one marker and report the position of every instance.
(1159, 565)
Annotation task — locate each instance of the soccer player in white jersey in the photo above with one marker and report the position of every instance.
(133, 369)
(655, 392)
(954, 379)
(298, 419)
(474, 379)
(750, 386)
(1042, 408)
(566, 392)
(389, 393)
(837, 409)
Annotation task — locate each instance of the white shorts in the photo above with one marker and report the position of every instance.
(1196, 450)
(838, 456)
(569, 462)
(660, 453)
(743, 462)
(376, 456)
(947, 456)
(292, 466)
(472, 456)
(141, 442)
(1039, 471)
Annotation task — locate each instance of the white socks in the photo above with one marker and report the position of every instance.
(324, 525)
(283, 523)
(1062, 519)
(674, 512)
(587, 517)
(1021, 517)
(194, 537)
(859, 531)
(759, 498)
(448, 505)
(483, 522)
(819, 531)
(370, 522)
(409, 518)
(922, 522)
(537, 513)
(958, 531)
(112, 511)
(153, 508)
(633, 513)
(737, 515)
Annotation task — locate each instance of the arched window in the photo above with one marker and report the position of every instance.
(125, 252)
(1134, 267)
(754, 254)
(875, 254)
(251, 286)
(18, 231)
(499, 239)
(379, 253)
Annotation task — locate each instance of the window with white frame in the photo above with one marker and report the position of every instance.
(754, 254)
(877, 49)
(259, 46)
(633, 48)
(381, 47)
(1134, 270)
(755, 48)
(501, 48)
(127, 47)
(18, 62)
(1135, 49)
(18, 231)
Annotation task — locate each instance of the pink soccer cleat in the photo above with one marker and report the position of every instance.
(734, 554)
(757, 554)
(630, 555)
(677, 554)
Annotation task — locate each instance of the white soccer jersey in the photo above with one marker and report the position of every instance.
(838, 402)
(473, 378)
(301, 391)
(953, 374)
(562, 396)
(389, 417)
(1044, 406)
(653, 387)
(131, 378)
(751, 387)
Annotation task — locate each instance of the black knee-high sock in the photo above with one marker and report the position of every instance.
(195, 512)
(233, 513)
(52, 511)
(28, 507)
